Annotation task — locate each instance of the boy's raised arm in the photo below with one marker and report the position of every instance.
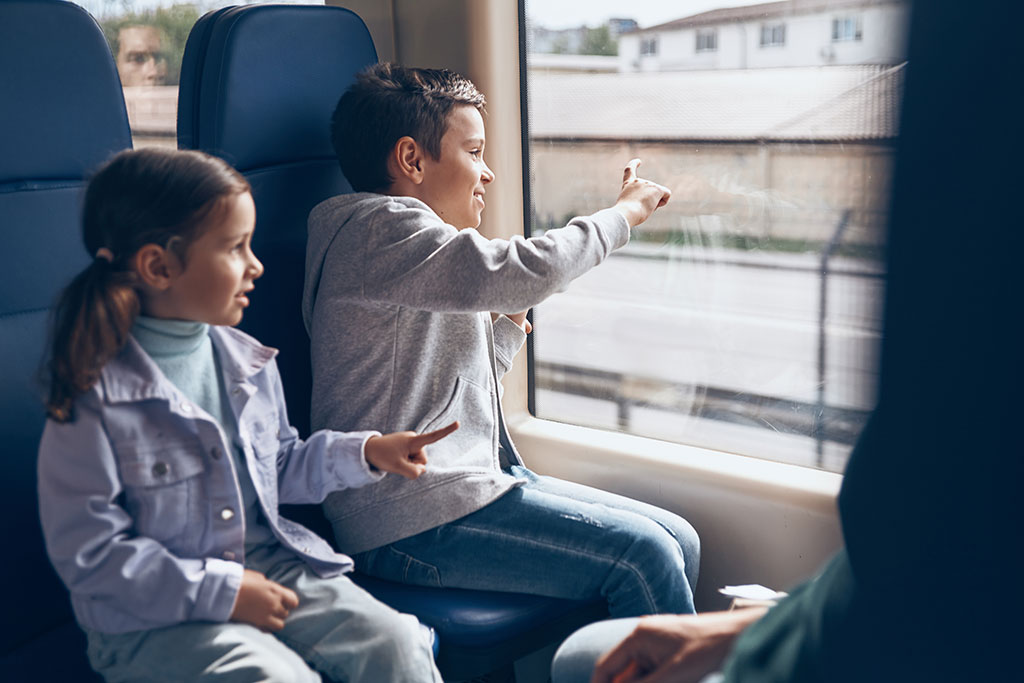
(413, 259)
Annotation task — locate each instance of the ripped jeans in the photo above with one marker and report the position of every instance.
(556, 538)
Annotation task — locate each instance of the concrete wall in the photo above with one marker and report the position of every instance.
(788, 191)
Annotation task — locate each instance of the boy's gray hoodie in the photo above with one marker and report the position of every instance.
(397, 304)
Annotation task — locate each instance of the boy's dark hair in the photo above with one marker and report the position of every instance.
(386, 103)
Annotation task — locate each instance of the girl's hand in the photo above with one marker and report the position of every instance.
(262, 602)
(403, 453)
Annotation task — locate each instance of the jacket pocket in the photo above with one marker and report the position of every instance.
(161, 486)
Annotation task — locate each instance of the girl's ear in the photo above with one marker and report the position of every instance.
(407, 160)
(157, 267)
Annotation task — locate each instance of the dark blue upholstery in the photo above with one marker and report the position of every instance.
(258, 87)
(61, 114)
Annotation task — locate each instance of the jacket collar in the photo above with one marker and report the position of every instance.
(133, 376)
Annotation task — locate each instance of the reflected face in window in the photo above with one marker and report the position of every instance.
(140, 59)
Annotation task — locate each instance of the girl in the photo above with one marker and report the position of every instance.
(167, 451)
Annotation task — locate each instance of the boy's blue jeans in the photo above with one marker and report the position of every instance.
(556, 538)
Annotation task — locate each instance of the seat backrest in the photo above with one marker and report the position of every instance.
(258, 87)
(62, 113)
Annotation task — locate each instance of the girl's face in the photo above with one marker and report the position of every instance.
(220, 269)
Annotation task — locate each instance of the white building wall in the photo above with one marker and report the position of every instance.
(808, 43)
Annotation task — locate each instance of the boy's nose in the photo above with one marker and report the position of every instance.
(488, 175)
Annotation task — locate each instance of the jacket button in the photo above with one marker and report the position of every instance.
(160, 469)
(215, 453)
(228, 555)
(227, 514)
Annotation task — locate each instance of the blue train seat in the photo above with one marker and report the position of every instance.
(61, 113)
(258, 86)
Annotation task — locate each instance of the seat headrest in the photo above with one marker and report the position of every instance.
(67, 113)
(247, 57)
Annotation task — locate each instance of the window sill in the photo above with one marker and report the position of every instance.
(565, 446)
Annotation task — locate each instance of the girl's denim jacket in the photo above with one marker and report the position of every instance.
(139, 496)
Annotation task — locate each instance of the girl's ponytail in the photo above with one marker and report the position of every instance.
(148, 196)
(92, 321)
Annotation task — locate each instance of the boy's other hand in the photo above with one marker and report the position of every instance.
(517, 318)
(639, 198)
(262, 602)
(403, 453)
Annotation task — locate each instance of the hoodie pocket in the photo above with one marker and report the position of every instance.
(471, 445)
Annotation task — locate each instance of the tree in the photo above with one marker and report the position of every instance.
(599, 41)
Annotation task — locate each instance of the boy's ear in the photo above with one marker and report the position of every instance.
(157, 267)
(407, 160)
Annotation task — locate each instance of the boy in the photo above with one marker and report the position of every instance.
(398, 298)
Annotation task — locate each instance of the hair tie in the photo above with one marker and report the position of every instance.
(105, 254)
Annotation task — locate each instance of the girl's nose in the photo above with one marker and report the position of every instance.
(255, 267)
(488, 175)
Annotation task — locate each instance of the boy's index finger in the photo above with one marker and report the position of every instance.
(630, 172)
(436, 435)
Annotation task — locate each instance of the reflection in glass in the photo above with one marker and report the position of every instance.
(745, 316)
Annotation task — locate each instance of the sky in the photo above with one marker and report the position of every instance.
(555, 14)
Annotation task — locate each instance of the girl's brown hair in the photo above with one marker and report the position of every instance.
(147, 196)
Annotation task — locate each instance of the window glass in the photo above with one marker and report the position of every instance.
(707, 40)
(773, 34)
(745, 316)
(846, 28)
(147, 39)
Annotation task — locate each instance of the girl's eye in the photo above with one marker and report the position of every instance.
(476, 153)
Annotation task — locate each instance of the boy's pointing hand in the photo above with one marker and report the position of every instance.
(403, 453)
(639, 198)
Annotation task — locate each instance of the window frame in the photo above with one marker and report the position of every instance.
(775, 33)
(649, 46)
(633, 444)
(846, 21)
(710, 40)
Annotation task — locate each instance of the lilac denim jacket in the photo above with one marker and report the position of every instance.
(139, 497)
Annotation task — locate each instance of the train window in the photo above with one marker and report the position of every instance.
(147, 39)
(745, 316)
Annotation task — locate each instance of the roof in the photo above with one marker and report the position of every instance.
(766, 10)
(824, 103)
(583, 63)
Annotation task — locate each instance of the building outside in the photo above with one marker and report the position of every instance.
(774, 34)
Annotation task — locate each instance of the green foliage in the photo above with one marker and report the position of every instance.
(560, 46)
(599, 41)
(174, 24)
